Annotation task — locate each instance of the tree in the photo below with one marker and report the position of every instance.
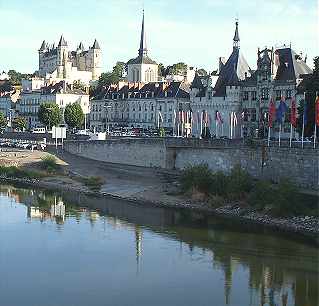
(79, 85)
(161, 70)
(73, 115)
(49, 114)
(114, 76)
(179, 68)
(19, 123)
(3, 122)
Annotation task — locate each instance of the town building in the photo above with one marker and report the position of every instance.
(59, 63)
(60, 93)
(245, 93)
(139, 105)
(142, 68)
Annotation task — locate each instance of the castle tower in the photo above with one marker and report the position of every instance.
(62, 51)
(142, 68)
(96, 60)
(41, 53)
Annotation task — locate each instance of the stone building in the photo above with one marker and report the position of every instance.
(59, 63)
(246, 93)
(142, 68)
(139, 105)
(61, 93)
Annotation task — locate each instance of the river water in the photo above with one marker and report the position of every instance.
(70, 249)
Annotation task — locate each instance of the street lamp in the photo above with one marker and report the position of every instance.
(106, 107)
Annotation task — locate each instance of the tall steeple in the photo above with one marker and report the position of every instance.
(143, 47)
(236, 40)
(62, 42)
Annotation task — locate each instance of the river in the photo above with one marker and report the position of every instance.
(71, 249)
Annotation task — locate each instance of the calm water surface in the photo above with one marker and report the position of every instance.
(56, 252)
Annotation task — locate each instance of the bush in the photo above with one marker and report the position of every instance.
(261, 195)
(219, 183)
(285, 202)
(94, 182)
(49, 164)
(197, 178)
(239, 184)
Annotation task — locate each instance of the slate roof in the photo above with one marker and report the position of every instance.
(232, 73)
(291, 66)
(62, 42)
(59, 88)
(142, 59)
(149, 90)
(96, 45)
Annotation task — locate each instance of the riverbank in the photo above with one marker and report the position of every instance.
(301, 227)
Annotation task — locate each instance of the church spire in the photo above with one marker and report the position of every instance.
(236, 39)
(143, 48)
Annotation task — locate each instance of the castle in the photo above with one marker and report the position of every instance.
(58, 63)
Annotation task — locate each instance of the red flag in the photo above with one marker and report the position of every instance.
(272, 112)
(293, 114)
(317, 111)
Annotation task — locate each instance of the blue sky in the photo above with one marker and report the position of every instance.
(193, 31)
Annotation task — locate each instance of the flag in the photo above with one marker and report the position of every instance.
(219, 118)
(235, 121)
(282, 108)
(160, 117)
(272, 112)
(317, 111)
(293, 114)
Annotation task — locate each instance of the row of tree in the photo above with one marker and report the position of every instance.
(49, 115)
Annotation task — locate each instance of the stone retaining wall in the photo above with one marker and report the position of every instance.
(273, 163)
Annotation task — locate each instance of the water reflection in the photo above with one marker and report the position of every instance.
(273, 270)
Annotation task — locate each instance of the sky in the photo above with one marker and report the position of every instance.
(196, 32)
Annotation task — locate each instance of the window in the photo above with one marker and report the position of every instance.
(245, 95)
(264, 94)
(288, 94)
(253, 115)
(253, 95)
(139, 108)
(152, 107)
(278, 94)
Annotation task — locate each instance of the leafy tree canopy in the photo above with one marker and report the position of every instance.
(49, 114)
(16, 77)
(6, 86)
(73, 115)
(19, 123)
(202, 72)
(114, 76)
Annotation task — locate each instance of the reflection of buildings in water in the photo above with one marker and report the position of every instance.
(138, 246)
(58, 211)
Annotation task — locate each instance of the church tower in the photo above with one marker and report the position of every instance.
(142, 68)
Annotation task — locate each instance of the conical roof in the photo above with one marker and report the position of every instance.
(43, 46)
(62, 42)
(96, 45)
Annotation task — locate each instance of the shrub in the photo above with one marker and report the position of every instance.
(240, 183)
(285, 201)
(261, 195)
(219, 183)
(94, 182)
(216, 201)
(49, 164)
(197, 178)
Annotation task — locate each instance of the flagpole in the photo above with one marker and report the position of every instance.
(303, 120)
(269, 128)
(290, 140)
(279, 134)
(316, 114)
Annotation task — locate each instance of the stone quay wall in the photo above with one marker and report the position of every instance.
(299, 165)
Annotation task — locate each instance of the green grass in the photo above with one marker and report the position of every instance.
(94, 182)
(15, 172)
(49, 164)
